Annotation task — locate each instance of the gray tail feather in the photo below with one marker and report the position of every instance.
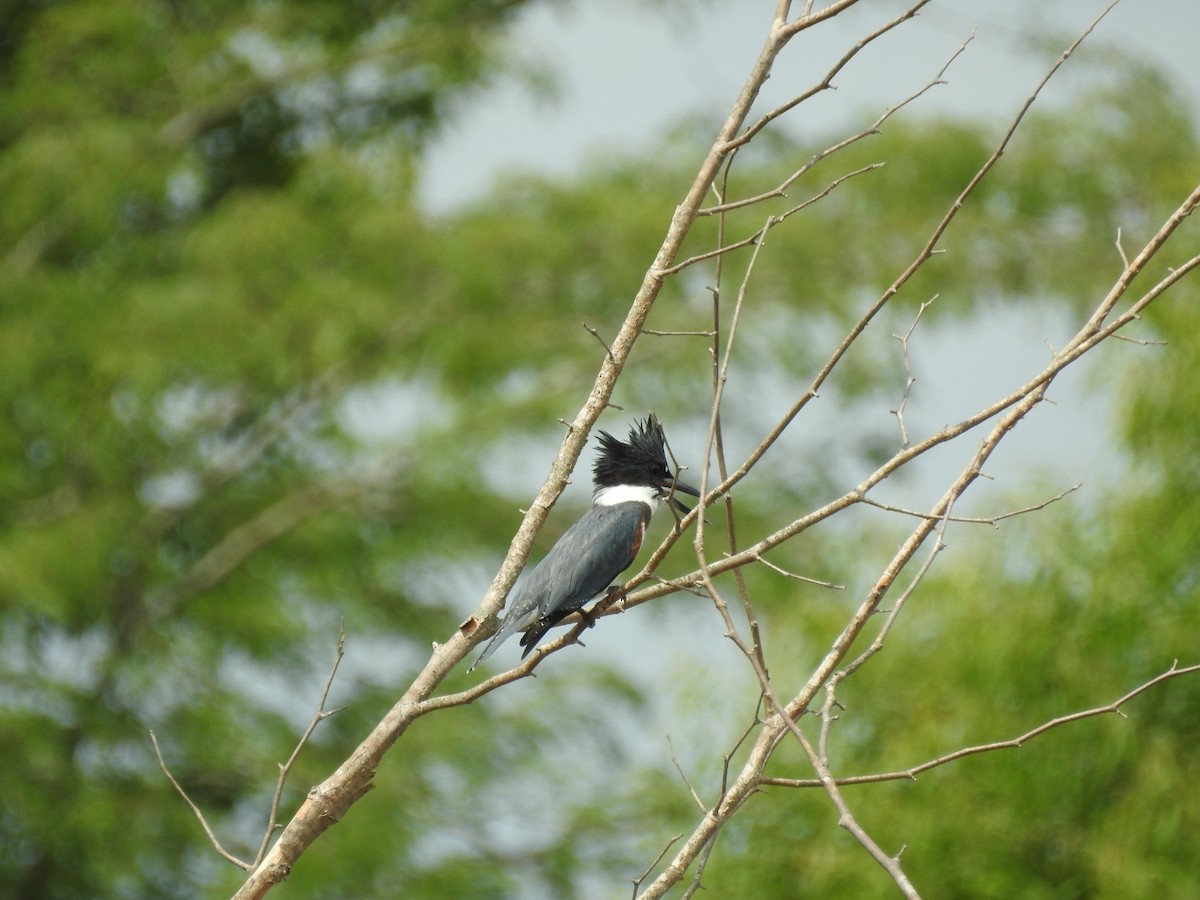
(507, 627)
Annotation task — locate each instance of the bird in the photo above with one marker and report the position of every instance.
(630, 479)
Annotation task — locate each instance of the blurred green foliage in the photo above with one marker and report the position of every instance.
(251, 389)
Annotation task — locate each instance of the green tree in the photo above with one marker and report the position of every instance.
(211, 268)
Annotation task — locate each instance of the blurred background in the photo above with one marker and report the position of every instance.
(291, 303)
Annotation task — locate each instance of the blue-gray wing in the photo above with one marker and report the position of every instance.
(583, 562)
(586, 559)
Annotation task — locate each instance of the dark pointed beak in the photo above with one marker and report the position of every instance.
(682, 487)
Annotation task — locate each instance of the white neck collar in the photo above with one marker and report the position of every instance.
(626, 493)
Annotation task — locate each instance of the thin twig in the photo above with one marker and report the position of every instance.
(727, 758)
(596, 334)
(890, 864)
(771, 222)
(804, 578)
(721, 364)
(911, 773)
(939, 544)
(720, 372)
(909, 378)
(787, 717)
(637, 882)
(875, 128)
(994, 521)
(683, 775)
(697, 883)
(1121, 250)
(1141, 342)
(825, 83)
(286, 768)
(657, 333)
(221, 851)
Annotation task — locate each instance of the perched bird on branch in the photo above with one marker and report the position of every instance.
(630, 480)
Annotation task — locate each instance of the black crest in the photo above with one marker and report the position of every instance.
(643, 460)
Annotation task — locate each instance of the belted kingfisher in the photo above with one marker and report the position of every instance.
(630, 479)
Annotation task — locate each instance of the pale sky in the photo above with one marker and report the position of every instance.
(626, 71)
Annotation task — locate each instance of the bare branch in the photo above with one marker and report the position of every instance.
(994, 521)
(637, 882)
(1141, 342)
(285, 769)
(873, 129)
(727, 758)
(771, 222)
(596, 334)
(804, 578)
(846, 818)
(876, 645)
(890, 864)
(1121, 249)
(810, 18)
(909, 378)
(825, 83)
(911, 773)
(221, 851)
(683, 775)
